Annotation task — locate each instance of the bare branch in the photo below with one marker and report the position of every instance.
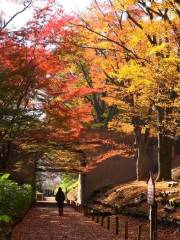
(27, 4)
(118, 18)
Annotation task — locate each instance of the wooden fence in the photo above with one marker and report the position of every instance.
(110, 222)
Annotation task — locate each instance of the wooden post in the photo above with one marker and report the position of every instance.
(152, 209)
(85, 210)
(93, 215)
(139, 232)
(126, 231)
(151, 217)
(102, 221)
(88, 212)
(117, 226)
(108, 222)
(153, 221)
(97, 218)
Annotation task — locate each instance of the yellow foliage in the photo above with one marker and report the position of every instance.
(134, 60)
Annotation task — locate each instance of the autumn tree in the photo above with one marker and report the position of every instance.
(27, 64)
(79, 58)
(10, 96)
(40, 100)
(144, 84)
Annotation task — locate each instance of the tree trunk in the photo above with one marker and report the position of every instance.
(143, 156)
(165, 145)
(143, 161)
(6, 154)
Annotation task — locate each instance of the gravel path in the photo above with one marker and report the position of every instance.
(43, 223)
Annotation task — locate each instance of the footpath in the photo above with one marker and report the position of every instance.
(43, 223)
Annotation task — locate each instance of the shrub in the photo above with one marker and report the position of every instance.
(14, 199)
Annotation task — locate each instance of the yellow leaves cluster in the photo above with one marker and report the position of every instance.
(137, 76)
(117, 125)
(136, 38)
(161, 48)
(124, 4)
(113, 101)
(134, 64)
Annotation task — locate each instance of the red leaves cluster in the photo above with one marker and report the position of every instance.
(30, 63)
(66, 108)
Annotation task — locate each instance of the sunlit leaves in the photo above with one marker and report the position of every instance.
(136, 47)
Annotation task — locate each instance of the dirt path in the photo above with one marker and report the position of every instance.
(43, 223)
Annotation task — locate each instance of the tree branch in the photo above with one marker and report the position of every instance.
(27, 4)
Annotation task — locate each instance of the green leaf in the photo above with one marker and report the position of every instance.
(5, 218)
(5, 176)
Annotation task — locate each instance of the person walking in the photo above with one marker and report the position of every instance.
(60, 197)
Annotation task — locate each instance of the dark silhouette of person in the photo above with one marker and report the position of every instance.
(60, 197)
